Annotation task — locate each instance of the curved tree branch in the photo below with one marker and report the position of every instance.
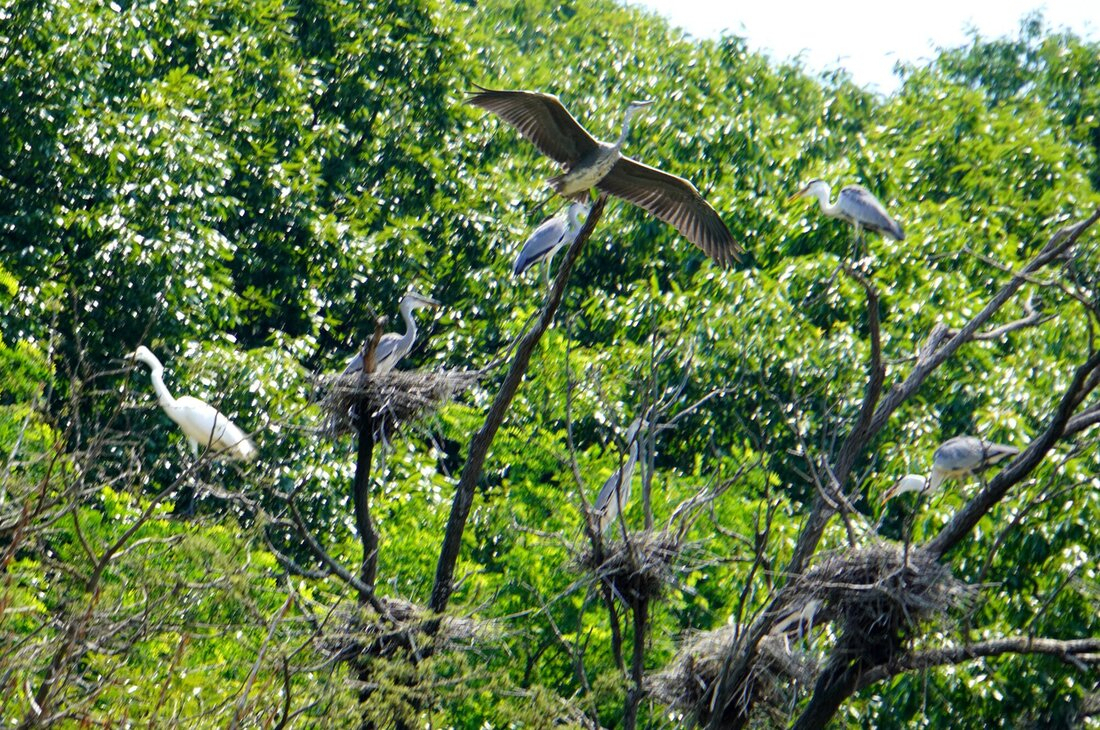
(483, 439)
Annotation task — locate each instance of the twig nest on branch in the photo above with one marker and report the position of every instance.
(698, 665)
(389, 399)
(876, 590)
(405, 629)
(637, 568)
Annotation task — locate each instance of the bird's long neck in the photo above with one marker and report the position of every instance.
(631, 459)
(156, 374)
(935, 479)
(626, 127)
(822, 193)
(409, 337)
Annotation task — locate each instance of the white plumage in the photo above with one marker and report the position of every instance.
(854, 204)
(202, 423)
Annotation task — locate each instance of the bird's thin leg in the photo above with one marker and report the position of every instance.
(543, 202)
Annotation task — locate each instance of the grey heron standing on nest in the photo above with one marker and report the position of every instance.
(550, 237)
(392, 347)
(589, 163)
(856, 205)
(955, 458)
(615, 494)
(201, 422)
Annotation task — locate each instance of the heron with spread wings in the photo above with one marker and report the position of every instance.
(589, 163)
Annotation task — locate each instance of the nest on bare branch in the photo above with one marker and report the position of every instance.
(778, 672)
(875, 592)
(406, 630)
(637, 568)
(389, 399)
(870, 594)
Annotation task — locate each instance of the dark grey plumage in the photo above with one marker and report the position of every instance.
(589, 163)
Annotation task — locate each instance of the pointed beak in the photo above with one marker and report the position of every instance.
(886, 496)
(796, 196)
(428, 301)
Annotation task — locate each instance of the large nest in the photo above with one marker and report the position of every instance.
(871, 595)
(389, 399)
(404, 628)
(637, 568)
(778, 672)
(875, 591)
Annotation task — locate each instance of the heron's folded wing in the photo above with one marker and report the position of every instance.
(858, 203)
(675, 201)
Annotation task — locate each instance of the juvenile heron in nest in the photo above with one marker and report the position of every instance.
(201, 422)
(550, 237)
(392, 347)
(856, 205)
(955, 458)
(589, 163)
(615, 494)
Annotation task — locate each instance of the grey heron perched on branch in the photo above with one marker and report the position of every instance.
(589, 163)
(856, 205)
(201, 422)
(392, 347)
(955, 458)
(554, 234)
(615, 494)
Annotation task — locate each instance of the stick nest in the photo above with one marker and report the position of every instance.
(876, 590)
(389, 399)
(637, 568)
(702, 655)
(404, 630)
(872, 595)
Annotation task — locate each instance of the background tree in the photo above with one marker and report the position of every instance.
(245, 187)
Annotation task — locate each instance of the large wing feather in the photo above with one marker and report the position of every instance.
(675, 201)
(541, 119)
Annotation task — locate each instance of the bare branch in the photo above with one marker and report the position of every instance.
(483, 439)
(952, 533)
(1074, 651)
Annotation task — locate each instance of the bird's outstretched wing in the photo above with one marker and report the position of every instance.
(675, 201)
(859, 205)
(540, 118)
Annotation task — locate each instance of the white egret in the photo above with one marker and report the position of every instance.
(589, 163)
(615, 494)
(392, 347)
(955, 458)
(554, 234)
(854, 204)
(202, 423)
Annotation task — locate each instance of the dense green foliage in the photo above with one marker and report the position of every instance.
(242, 186)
